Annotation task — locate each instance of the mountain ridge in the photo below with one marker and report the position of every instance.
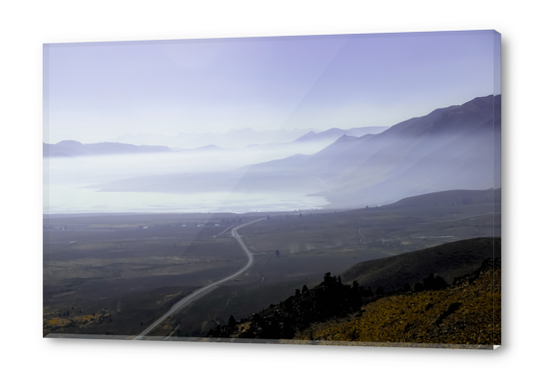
(71, 148)
(334, 134)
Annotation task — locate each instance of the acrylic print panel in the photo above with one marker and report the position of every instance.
(340, 189)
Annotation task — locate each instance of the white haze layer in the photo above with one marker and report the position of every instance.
(66, 180)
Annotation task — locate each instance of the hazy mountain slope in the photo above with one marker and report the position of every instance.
(333, 134)
(467, 313)
(462, 162)
(450, 148)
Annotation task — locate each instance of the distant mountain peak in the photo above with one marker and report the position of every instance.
(208, 147)
(333, 134)
(241, 131)
(69, 143)
(70, 148)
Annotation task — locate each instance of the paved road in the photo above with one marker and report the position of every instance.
(205, 290)
(222, 232)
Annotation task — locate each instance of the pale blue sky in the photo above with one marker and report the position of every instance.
(98, 91)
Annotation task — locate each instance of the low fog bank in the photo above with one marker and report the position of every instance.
(350, 173)
(72, 200)
(187, 181)
(94, 170)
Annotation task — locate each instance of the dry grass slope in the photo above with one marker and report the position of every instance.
(467, 313)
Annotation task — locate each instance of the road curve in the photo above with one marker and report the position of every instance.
(205, 290)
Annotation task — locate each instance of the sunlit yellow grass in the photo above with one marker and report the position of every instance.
(80, 321)
(419, 318)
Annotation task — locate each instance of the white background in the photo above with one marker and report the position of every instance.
(26, 25)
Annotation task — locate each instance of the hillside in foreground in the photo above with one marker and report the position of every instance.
(468, 312)
(464, 311)
(449, 261)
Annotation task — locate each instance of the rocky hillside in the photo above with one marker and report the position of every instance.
(464, 310)
(468, 312)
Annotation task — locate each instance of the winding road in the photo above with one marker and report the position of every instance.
(205, 290)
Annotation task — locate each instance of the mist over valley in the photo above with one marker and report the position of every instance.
(457, 147)
(205, 178)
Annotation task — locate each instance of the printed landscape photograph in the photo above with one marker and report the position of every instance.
(318, 190)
